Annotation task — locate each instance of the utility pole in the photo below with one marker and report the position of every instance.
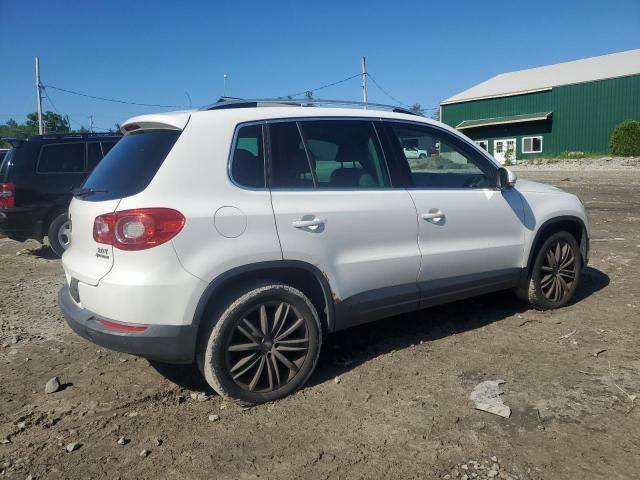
(90, 123)
(39, 97)
(224, 88)
(364, 81)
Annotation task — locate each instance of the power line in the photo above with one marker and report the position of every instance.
(113, 100)
(71, 120)
(385, 92)
(323, 86)
(394, 98)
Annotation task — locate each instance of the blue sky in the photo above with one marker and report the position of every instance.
(155, 51)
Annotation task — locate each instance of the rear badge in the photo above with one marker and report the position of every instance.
(103, 253)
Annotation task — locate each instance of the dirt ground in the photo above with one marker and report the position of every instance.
(399, 407)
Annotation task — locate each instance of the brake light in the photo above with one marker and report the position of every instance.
(138, 229)
(7, 195)
(131, 127)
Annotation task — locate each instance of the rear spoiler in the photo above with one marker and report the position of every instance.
(156, 121)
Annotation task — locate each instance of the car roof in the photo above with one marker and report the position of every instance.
(179, 119)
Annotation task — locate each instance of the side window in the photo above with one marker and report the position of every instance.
(439, 162)
(94, 155)
(106, 146)
(345, 154)
(289, 163)
(61, 158)
(247, 164)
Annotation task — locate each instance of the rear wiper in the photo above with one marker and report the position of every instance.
(79, 192)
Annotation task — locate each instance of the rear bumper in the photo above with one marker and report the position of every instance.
(22, 223)
(163, 343)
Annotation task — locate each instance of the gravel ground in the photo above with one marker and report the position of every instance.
(582, 165)
(388, 400)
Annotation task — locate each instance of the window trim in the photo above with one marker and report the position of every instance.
(307, 152)
(467, 147)
(532, 137)
(297, 121)
(54, 144)
(102, 142)
(86, 154)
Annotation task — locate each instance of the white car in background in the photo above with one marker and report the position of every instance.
(241, 234)
(415, 152)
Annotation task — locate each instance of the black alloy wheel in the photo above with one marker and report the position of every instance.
(268, 347)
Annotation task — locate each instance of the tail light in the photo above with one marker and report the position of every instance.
(7, 195)
(138, 229)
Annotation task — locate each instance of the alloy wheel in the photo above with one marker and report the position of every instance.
(268, 347)
(558, 271)
(64, 235)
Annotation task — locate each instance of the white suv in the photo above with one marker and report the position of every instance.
(239, 235)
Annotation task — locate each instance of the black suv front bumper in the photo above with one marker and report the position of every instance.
(162, 343)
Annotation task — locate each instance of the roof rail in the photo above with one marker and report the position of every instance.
(231, 102)
(77, 135)
(61, 135)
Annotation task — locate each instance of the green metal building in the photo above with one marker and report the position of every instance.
(546, 111)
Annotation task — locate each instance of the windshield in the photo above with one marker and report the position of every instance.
(130, 165)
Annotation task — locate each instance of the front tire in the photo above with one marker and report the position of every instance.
(555, 273)
(262, 345)
(59, 235)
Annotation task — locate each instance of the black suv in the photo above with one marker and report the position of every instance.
(37, 176)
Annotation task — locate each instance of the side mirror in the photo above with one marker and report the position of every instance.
(506, 178)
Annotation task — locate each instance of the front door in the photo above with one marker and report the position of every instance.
(470, 233)
(505, 149)
(335, 209)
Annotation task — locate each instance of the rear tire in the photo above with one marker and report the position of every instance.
(260, 345)
(59, 236)
(555, 273)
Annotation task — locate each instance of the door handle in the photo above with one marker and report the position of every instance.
(433, 217)
(314, 222)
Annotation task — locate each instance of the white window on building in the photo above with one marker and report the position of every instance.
(532, 144)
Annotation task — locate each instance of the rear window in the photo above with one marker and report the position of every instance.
(130, 165)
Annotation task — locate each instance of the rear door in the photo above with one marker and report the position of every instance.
(126, 171)
(86, 260)
(335, 209)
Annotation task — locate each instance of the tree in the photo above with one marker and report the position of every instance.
(53, 122)
(436, 115)
(417, 109)
(625, 139)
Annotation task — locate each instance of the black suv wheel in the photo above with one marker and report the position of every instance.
(59, 235)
